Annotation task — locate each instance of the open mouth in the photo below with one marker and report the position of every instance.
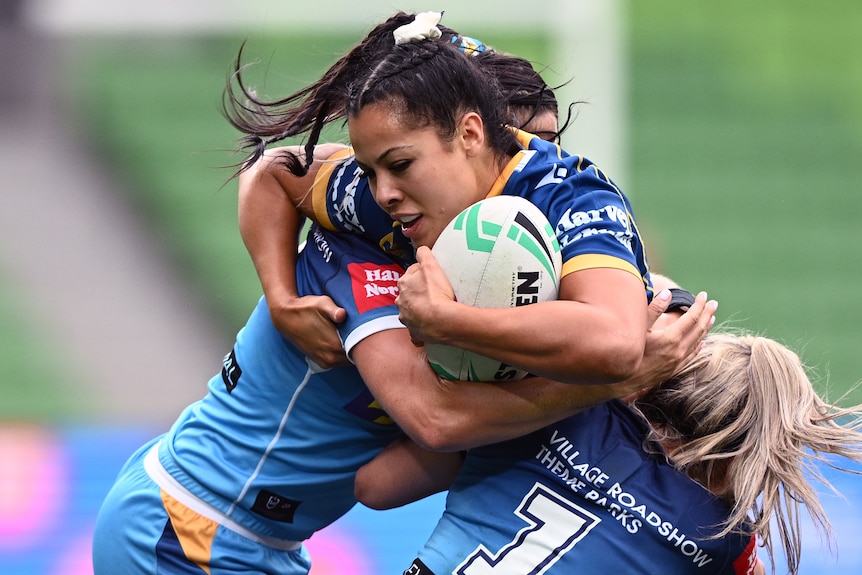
(408, 221)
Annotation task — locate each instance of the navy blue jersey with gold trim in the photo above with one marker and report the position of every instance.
(593, 219)
(580, 496)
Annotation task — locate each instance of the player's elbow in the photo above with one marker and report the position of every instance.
(623, 357)
(438, 421)
(369, 501)
(437, 438)
(438, 430)
(367, 491)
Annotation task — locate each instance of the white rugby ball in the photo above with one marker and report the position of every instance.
(499, 252)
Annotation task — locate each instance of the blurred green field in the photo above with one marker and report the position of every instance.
(152, 110)
(34, 383)
(746, 139)
(746, 133)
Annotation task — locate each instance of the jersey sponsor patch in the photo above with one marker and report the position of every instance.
(611, 220)
(374, 285)
(230, 371)
(274, 506)
(745, 563)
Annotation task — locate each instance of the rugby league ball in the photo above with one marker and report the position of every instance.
(499, 252)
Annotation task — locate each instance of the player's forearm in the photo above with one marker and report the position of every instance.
(272, 203)
(450, 416)
(404, 472)
(462, 415)
(594, 332)
(564, 340)
(524, 406)
(269, 225)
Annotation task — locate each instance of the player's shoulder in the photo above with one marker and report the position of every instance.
(333, 161)
(342, 198)
(552, 164)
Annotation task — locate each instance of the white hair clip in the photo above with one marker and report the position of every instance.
(423, 27)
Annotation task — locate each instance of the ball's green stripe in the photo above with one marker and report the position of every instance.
(459, 220)
(522, 220)
(491, 229)
(474, 234)
(443, 372)
(549, 231)
(538, 250)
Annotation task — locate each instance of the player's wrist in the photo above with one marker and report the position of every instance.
(279, 297)
(680, 300)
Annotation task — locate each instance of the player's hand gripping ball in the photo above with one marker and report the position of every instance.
(499, 252)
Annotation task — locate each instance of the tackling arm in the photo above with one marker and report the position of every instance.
(450, 416)
(594, 332)
(272, 203)
(403, 473)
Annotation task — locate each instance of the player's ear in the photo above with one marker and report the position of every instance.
(471, 132)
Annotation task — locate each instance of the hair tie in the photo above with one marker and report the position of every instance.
(470, 46)
(423, 27)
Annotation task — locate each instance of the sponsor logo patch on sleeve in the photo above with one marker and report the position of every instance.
(745, 563)
(374, 285)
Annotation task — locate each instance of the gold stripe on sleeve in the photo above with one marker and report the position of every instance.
(593, 261)
(321, 184)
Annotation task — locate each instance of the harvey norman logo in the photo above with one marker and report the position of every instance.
(374, 285)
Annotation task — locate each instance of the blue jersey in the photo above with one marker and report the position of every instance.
(269, 455)
(275, 443)
(343, 202)
(593, 219)
(580, 496)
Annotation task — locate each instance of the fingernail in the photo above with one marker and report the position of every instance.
(664, 295)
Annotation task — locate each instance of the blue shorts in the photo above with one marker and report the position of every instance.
(143, 530)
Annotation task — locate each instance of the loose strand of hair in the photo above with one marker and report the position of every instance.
(749, 401)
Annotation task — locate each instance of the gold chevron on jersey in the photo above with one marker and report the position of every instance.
(321, 184)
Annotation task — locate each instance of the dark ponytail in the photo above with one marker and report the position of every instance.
(264, 122)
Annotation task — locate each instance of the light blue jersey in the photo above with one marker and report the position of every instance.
(269, 455)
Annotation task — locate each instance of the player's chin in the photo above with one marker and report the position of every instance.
(418, 234)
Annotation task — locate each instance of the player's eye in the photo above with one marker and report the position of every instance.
(400, 167)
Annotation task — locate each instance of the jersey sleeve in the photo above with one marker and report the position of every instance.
(592, 218)
(357, 275)
(597, 230)
(335, 178)
(343, 202)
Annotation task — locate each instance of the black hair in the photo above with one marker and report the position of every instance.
(523, 88)
(307, 111)
(434, 84)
